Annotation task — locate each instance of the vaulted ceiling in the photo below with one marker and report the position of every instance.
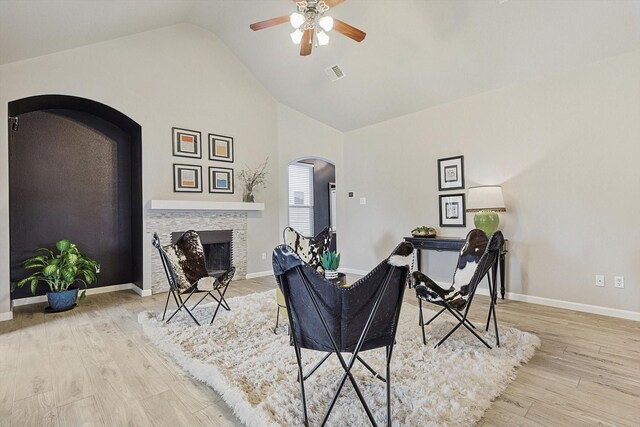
(417, 53)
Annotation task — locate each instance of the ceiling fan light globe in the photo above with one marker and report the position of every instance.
(323, 38)
(296, 36)
(326, 22)
(296, 19)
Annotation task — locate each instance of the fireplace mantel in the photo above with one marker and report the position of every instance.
(203, 205)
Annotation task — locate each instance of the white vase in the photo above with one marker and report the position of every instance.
(331, 274)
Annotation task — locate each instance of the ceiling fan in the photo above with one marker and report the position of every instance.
(311, 25)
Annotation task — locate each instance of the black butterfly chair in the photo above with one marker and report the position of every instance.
(334, 319)
(184, 266)
(477, 257)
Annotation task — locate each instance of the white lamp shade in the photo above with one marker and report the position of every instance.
(323, 38)
(296, 36)
(296, 19)
(326, 22)
(485, 198)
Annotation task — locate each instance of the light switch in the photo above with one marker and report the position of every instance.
(363, 200)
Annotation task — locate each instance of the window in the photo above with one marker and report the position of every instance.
(301, 198)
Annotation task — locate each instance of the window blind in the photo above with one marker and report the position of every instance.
(301, 198)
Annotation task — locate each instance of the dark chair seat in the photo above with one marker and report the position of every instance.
(335, 319)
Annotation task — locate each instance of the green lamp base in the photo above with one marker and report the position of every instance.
(487, 221)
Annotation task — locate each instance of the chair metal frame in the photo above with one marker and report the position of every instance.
(346, 366)
(177, 293)
(491, 270)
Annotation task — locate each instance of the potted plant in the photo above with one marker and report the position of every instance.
(60, 271)
(252, 179)
(331, 262)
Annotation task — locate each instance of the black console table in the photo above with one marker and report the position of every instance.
(454, 244)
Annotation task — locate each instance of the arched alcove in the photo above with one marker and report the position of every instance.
(75, 172)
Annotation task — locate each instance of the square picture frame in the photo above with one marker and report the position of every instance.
(451, 173)
(220, 148)
(452, 210)
(220, 180)
(186, 143)
(187, 178)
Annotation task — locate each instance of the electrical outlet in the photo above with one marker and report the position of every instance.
(264, 255)
(363, 200)
(618, 282)
(600, 280)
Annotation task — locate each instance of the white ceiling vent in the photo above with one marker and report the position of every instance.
(334, 72)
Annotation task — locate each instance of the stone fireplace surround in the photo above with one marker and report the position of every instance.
(165, 217)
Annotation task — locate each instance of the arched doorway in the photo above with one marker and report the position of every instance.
(311, 185)
(75, 173)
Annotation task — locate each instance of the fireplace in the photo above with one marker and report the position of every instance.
(217, 249)
(167, 220)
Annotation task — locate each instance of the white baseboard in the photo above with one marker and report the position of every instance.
(28, 300)
(549, 302)
(90, 291)
(141, 292)
(259, 274)
(568, 305)
(6, 316)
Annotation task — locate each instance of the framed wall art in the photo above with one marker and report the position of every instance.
(187, 178)
(186, 143)
(451, 173)
(452, 210)
(220, 180)
(220, 148)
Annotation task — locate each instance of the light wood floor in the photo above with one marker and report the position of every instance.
(93, 366)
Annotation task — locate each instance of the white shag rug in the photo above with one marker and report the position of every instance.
(255, 370)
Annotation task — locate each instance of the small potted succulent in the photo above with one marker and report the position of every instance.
(331, 262)
(59, 271)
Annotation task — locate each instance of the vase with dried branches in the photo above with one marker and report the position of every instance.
(253, 179)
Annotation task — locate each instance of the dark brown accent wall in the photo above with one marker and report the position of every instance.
(74, 174)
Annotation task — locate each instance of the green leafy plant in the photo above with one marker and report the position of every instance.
(59, 270)
(331, 260)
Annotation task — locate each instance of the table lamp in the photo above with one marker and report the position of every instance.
(486, 200)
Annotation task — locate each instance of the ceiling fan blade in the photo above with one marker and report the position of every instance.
(333, 3)
(307, 42)
(269, 23)
(348, 30)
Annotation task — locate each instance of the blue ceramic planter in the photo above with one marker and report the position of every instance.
(64, 300)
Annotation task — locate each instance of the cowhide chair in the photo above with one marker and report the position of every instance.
(184, 266)
(310, 250)
(334, 319)
(477, 257)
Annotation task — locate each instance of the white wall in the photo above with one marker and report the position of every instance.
(300, 136)
(566, 151)
(176, 76)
